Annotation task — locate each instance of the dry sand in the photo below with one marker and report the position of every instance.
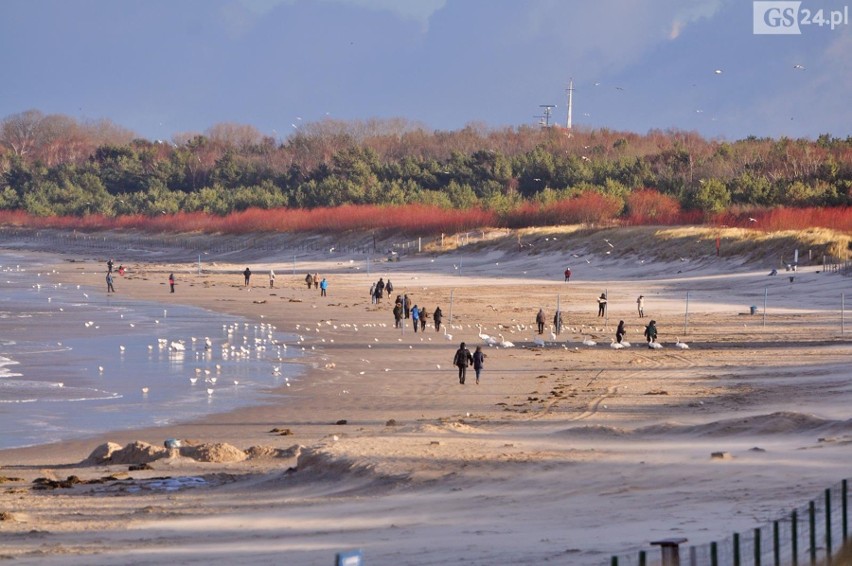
(564, 454)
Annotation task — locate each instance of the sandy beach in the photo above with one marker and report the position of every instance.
(563, 454)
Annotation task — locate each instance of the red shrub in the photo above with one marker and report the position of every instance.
(647, 206)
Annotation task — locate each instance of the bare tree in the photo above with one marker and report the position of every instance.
(20, 131)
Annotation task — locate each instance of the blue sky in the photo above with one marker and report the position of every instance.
(163, 67)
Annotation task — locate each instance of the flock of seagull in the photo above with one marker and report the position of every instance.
(499, 341)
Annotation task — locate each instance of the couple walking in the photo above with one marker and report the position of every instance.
(464, 358)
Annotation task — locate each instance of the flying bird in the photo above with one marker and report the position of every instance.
(799, 67)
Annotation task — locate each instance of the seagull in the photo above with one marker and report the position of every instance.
(718, 71)
(210, 391)
(799, 67)
(752, 219)
(145, 390)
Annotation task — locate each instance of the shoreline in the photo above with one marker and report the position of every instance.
(563, 425)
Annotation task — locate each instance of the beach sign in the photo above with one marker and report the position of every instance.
(349, 558)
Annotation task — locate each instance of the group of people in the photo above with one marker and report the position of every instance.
(650, 329)
(378, 288)
(317, 283)
(402, 308)
(109, 278)
(650, 333)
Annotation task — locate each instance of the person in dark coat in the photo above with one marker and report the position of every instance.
(478, 362)
(109, 265)
(423, 316)
(389, 288)
(397, 314)
(172, 282)
(567, 274)
(602, 305)
(247, 275)
(309, 280)
(406, 305)
(620, 331)
(651, 332)
(438, 317)
(462, 360)
(539, 320)
(380, 289)
(110, 288)
(557, 322)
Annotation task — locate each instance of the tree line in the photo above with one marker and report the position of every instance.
(57, 165)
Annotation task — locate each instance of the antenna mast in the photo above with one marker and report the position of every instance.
(548, 110)
(570, 102)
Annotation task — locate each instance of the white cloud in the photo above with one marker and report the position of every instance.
(690, 12)
(417, 10)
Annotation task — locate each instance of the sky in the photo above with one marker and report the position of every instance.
(167, 67)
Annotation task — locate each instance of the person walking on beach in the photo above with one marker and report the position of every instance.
(397, 314)
(309, 280)
(172, 282)
(462, 360)
(438, 316)
(415, 317)
(602, 305)
(651, 333)
(389, 288)
(567, 274)
(271, 279)
(380, 287)
(316, 280)
(620, 331)
(539, 320)
(110, 288)
(373, 293)
(247, 276)
(423, 315)
(478, 362)
(323, 287)
(640, 304)
(557, 322)
(406, 306)
(109, 265)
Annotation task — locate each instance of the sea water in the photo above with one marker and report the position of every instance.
(76, 361)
